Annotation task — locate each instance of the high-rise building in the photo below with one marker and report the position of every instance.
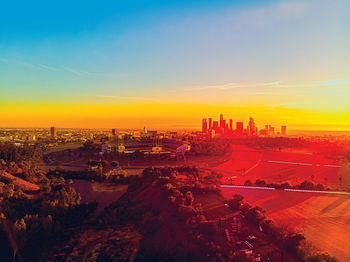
(204, 125)
(231, 124)
(222, 124)
(284, 131)
(239, 128)
(210, 123)
(216, 125)
(53, 131)
(114, 132)
(251, 127)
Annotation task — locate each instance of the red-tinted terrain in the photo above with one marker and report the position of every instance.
(324, 218)
(283, 166)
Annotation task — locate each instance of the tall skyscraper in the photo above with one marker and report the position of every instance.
(210, 123)
(251, 127)
(216, 125)
(239, 128)
(231, 124)
(204, 125)
(114, 131)
(53, 131)
(284, 131)
(222, 123)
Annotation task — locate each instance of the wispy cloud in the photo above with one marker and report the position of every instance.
(136, 98)
(74, 71)
(46, 67)
(227, 86)
(334, 82)
(274, 84)
(40, 67)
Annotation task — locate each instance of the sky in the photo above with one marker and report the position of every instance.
(168, 64)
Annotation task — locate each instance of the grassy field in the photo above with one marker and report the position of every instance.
(323, 218)
(284, 166)
(103, 193)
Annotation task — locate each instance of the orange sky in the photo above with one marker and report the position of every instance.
(163, 116)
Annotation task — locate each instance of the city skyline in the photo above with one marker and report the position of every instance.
(167, 64)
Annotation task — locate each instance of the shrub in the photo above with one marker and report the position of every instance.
(307, 185)
(286, 185)
(260, 182)
(255, 215)
(248, 183)
(189, 198)
(293, 241)
(235, 202)
(319, 187)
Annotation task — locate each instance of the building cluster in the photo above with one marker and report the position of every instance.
(222, 127)
(141, 134)
(47, 137)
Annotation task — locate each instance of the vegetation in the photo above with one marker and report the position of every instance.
(287, 240)
(45, 217)
(305, 185)
(210, 148)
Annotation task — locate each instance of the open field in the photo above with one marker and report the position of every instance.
(283, 166)
(102, 193)
(323, 218)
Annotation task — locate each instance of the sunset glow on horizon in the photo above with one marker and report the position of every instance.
(168, 65)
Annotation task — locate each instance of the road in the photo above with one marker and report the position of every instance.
(324, 218)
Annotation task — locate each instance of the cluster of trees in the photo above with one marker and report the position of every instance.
(305, 185)
(37, 224)
(13, 153)
(292, 242)
(155, 203)
(25, 161)
(195, 181)
(31, 224)
(102, 171)
(210, 148)
(111, 244)
(182, 200)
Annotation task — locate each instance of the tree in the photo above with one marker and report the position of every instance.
(307, 185)
(189, 198)
(255, 215)
(260, 182)
(248, 183)
(293, 241)
(235, 202)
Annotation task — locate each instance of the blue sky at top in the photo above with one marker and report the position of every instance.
(113, 52)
